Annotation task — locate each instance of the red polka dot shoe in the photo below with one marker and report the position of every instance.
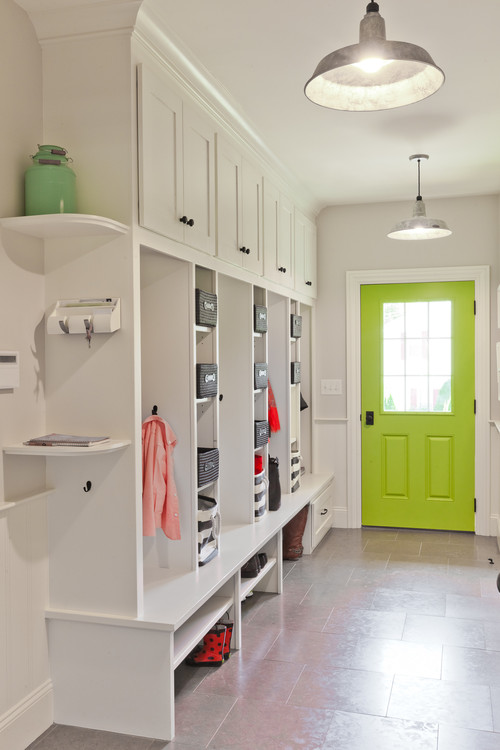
(211, 654)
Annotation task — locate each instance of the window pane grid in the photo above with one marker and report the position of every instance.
(417, 356)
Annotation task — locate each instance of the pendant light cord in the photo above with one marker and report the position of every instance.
(419, 197)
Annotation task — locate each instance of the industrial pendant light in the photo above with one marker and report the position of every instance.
(374, 74)
(419, 227)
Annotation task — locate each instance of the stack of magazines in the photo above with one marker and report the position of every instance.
(57, 439)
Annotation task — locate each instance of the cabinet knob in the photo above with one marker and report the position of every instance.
(190, 223)
(282, 269)
(243, 249)
(309, 283)
(184, 219)
(324, 512)
(248, 251)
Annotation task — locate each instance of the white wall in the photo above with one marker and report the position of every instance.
(25, 699)
(354, 238)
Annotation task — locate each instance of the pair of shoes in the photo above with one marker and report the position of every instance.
(216, 647)
(252, 568)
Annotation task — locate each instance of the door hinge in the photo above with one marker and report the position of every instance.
(474, 406)
(475, 505)
(474, 307)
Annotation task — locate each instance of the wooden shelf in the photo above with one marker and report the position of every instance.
(47, 450)
(47, 226)
(11, 504)
(248, 584)
(187, 636)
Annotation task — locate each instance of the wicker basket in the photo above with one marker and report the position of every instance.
(261, 432)
(206, 380)
(259, 319)
(295, 373)
(260, 375)
(206, 308)
(208, 465)
(295, 326)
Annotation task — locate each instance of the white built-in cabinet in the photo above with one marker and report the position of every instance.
(278, 212)
(121, 603)
(239, 208)
(176, 165)
(305, 255)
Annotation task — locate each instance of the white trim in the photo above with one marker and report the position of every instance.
(29, 718)
(481, 277)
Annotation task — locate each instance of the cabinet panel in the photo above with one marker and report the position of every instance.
(199, 180)
(228, 202)
(176, 166)
(285, 240)
(278, 233)
(251, 218)
(160, 156)
(305, 255)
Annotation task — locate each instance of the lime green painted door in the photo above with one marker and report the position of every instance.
(417, 396)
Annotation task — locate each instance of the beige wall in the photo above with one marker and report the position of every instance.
(354, 238)
(23, 539)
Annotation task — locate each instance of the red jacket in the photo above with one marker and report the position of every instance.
(160, 504)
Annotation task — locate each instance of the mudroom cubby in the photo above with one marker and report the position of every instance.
(167, 382)
(236, 400)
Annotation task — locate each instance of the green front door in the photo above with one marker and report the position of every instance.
(417, 396)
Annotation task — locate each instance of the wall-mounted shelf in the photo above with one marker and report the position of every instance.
(47, 226)
(11, 504)
(47, 450)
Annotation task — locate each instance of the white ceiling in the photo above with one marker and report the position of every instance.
(262, 52)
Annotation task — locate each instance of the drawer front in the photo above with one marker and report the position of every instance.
(322, 513)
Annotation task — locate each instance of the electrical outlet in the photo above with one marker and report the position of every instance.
(331, 387)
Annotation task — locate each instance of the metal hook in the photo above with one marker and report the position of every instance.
(88, 486)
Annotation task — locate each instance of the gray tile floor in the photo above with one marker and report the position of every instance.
(383, 639)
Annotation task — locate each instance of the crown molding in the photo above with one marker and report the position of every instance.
(60, 19)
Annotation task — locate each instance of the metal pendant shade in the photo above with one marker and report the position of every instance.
(419, 227)
(374, 74)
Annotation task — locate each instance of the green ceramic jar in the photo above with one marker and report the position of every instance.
(49, 184)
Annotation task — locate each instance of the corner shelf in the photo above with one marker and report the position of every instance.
(48, 226)
(54, 450)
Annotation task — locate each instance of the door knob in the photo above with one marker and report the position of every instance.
(370, 418)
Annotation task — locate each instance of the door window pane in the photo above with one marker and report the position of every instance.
(417, 356)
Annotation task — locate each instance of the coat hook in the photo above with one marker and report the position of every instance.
(155, 410)
(88, 486)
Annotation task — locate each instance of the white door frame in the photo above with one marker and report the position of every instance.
(481, 277)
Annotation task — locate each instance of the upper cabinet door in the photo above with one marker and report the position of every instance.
(251, 218)
(160, 156)
(305, 255)
(176, 166)
(278, 234)
(199, 180)
(286, 221)
(228, 201)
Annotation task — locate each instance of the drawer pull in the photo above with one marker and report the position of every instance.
(324, 512)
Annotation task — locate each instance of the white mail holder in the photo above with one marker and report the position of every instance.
(99, 315)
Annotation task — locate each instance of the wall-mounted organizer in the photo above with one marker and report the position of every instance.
(295, 385)
(97, 315)
(206, 428)
(260, 402)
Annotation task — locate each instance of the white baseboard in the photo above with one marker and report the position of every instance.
(340, 518)
(28, 719)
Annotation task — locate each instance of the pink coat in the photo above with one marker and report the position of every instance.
(160, 504)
